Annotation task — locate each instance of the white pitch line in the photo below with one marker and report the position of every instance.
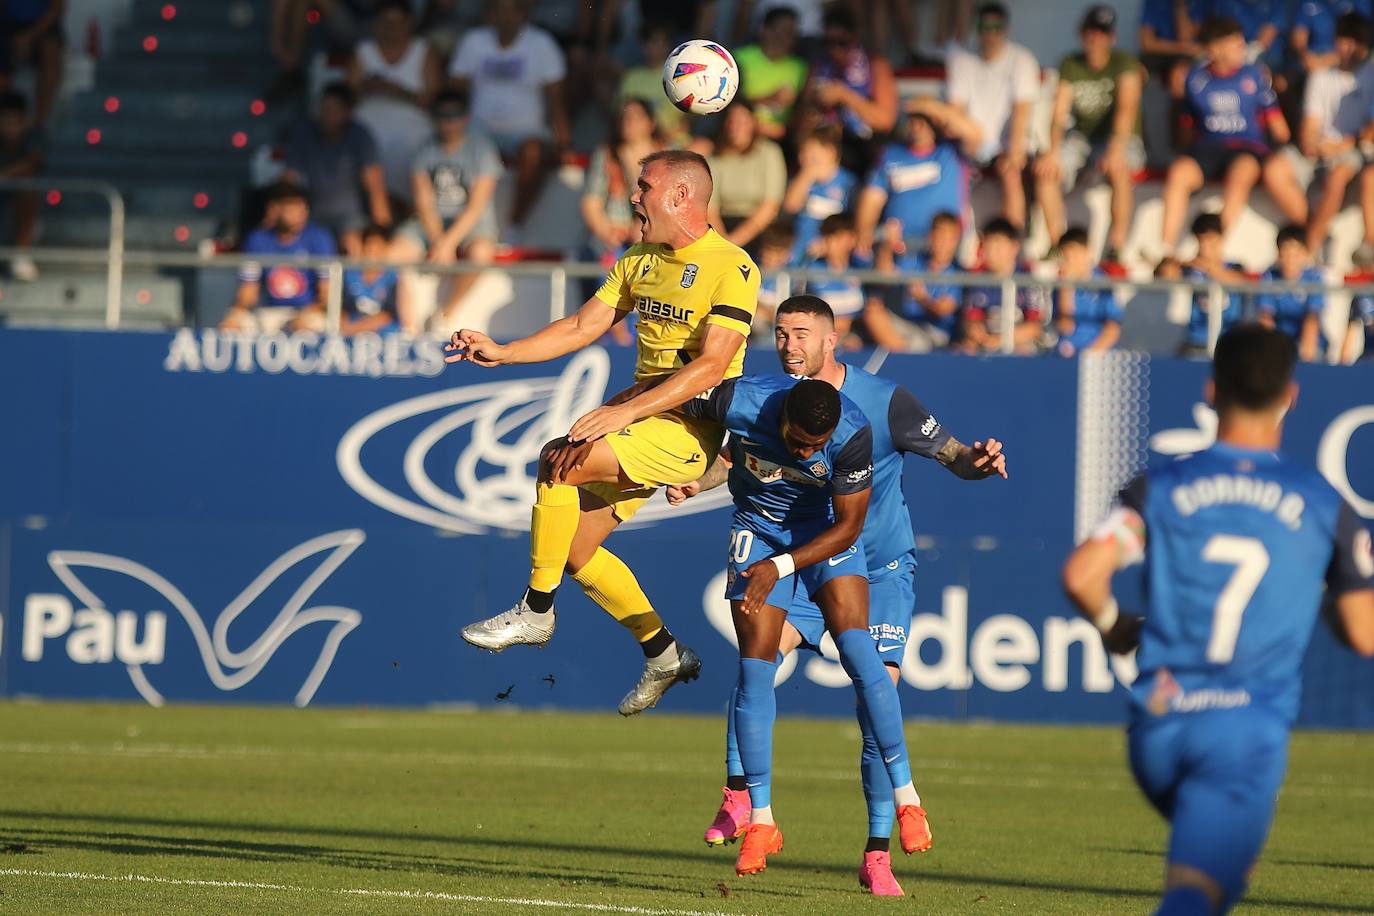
(354, 892)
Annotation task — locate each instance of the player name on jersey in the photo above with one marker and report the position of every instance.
(1219, 489)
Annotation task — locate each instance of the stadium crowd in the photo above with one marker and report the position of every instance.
(819, 166)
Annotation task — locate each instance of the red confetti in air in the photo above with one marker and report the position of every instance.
(182, 233)
(201, 200)
(93, 136)
(258, 107)
(53, 197)
(112, 104)
(150, 43)
(169, 12)
(312, 16)
(240, 139)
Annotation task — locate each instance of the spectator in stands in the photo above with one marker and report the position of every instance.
(1230, 104)
(927, 316)
(1085, 319)
(1209, 265)
(1361, 320)
(1296, 313)
(1167, 41)
(1312, 39)
(341, 22)
(611, 177)
(369, 294)
(395, 75)
(645, 81)
(336, 159)
(926, 175)
(21, 156)
(822, 187)
(810, 21)
(997, 88)
(1095, 125)
(851, 88)
(283, 295)
(750, 177)
(982, 316)
(771, 73)
(454, 182)
(31, 33)
(514, 72)
(1336, 109)
(777, 245)
(1260, 22)
(839, 256)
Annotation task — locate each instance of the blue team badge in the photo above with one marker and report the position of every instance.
(689, 276)
(819, 469)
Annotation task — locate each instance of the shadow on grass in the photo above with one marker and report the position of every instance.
(505, 865)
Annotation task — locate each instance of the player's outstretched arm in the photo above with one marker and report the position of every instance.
(718, 348)
(566, 335)
(973, 462)
(850, 511)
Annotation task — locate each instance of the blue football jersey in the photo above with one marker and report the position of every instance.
(1231, 313)
(920, 184)
(918, 262)
(901, 424)
(1231, 109)
(1092, 309)
(1290, 309)
(825, 198)
(766, 480)
(844, 295)
(1239, 545)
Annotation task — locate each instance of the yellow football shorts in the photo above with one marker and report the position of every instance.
(655, 452)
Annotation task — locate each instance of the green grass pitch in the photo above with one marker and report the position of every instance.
(115, 808)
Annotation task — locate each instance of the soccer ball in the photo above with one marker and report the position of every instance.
(700, 77)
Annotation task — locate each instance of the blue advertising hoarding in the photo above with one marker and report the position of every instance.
(207, 517)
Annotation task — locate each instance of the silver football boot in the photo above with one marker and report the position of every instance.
(656, 680)
(516, 627)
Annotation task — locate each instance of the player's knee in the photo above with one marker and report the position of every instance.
(545, 454)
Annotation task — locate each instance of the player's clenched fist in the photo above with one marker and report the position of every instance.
(679, 494)
(474, 347)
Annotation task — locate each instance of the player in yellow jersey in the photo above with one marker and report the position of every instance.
(695, 294)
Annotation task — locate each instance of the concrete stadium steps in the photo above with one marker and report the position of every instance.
(119, 166)
(158, 138)
(77, 299)
(230, 104)
(141, 231)
(202, 14)
(177, 43)
(119, 74)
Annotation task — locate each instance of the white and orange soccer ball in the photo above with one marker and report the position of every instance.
(700, 76)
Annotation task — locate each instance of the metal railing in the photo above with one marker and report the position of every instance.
(114, 253)
(558, 274)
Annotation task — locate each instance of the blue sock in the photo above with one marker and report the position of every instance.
(877, 700)
(733, 767)
(755, 709)
(877, 786)
(1185, 901)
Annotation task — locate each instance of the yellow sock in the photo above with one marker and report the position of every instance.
(553, 522)
(608, 581)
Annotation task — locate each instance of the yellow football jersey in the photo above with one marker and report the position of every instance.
(678, 293)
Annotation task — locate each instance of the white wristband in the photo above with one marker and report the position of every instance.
(785, 564)
(1107, 617)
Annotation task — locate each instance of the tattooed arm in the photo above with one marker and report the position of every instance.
(915, 430)
(973, 462)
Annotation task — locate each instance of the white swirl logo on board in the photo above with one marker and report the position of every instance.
(487, 439)
(92, 633)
